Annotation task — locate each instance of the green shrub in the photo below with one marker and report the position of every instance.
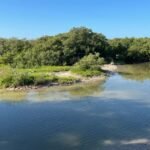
(45, 80)
(22, 79)
(6, 81)
(90, 62)
(14, 79)
(89, 66)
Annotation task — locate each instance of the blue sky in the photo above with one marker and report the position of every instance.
(113, 18)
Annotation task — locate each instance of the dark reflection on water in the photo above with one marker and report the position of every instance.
(115, 116)
(139, 72)
(59, 93)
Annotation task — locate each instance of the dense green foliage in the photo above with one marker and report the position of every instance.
(62, 49)
(16, 79)
(130, 50)
(89, 65)
(90, 62)
(68, 48)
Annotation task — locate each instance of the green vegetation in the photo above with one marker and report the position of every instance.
(67, 80)
(15, 79)
(130, 50)
(33, 77)
(68, 48)
(63, 49)
(89, 65)
(33, 62)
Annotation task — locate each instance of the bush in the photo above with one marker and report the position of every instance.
(14, 79)
(89, 66)
(90, 62)
(45, 80)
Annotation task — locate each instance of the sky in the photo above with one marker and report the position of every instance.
(35, 18)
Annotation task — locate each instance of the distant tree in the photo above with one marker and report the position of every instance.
(68, 48)
(81, 42)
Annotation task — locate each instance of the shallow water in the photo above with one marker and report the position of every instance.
(109, 115)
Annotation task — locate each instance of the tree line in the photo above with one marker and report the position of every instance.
(68, 48)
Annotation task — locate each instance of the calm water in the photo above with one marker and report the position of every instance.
(109, 115)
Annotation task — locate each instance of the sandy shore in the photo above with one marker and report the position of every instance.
(109, 68)
(106, 67)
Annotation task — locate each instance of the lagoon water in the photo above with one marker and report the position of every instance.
(108, 115)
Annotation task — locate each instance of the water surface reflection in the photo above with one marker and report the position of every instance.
(110, 115)
(58, 93)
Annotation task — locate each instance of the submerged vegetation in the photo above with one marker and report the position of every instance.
(80, 51)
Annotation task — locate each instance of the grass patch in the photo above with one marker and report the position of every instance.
(33, 77)
(87, 73)
(11, 77)
(67, 80)
(45, 79)
(46, 69)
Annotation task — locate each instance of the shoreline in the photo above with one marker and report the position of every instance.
(84, 81)
(110, 68)
(107, 68)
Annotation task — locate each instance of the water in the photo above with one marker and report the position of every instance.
(109, 115)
